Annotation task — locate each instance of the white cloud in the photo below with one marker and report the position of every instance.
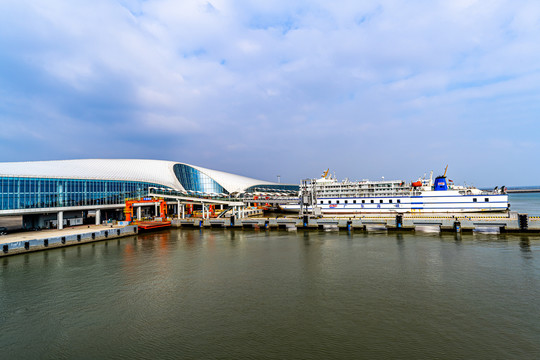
(297, 72)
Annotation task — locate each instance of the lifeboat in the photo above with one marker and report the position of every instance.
(416, 184)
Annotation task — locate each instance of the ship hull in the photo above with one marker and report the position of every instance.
(428, 202)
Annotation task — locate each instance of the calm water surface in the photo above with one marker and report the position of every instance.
(528, 203)
(275, 295)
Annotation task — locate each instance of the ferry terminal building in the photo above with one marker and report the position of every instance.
(64, 192)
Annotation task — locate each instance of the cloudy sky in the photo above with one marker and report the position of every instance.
(261, 88)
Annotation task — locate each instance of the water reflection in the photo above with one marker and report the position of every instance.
(399, 239)
(525, 247)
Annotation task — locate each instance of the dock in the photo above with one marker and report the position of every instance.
(513, 222)
(29, 241)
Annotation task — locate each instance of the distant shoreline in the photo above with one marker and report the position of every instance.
(518, 189)
(523, 190)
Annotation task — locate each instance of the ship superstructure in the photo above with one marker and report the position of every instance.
(397, 196)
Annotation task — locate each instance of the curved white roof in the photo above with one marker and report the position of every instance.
(231, 182)
(153, 171)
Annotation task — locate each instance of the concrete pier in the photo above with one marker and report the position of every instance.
(42, 240)
(513, 222)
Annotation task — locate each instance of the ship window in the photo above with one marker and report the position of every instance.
(486, 200)
(390, 201)
(321, 201)
(354, 201)
(346, 201)
(399, 201)
(474, 199)
(372, 201)
(337, 202)
(329, 202)
(363, 201)
(381, 201)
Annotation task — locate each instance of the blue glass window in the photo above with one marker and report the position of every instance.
(25, 193)
(194, 180)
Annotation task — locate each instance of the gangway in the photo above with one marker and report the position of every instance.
(209, 198)
(205, 200)
(222, 215)
(236, 204)
(191, 198)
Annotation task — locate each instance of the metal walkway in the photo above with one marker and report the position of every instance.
(221, 199)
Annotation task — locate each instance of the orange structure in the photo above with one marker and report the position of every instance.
(128, 211)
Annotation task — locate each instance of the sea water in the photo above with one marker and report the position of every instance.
(255, 294)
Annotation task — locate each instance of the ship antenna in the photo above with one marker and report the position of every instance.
(445, 171)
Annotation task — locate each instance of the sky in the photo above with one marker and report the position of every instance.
(266, 88)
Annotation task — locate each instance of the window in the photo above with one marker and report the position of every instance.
(30, 193)
(486, 199)
(346, 201)
(390, 201)
(194, 180)
(329, 202)
(474, 199)
(399, 201)
(354, 201)
(337, 202)
(321, 201)
(381, 201)
(363, 201)
(372, 201)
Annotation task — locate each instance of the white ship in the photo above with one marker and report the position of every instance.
(331, 196)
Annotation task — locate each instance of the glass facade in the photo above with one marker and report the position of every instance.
(33, 193)
(194, 180)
